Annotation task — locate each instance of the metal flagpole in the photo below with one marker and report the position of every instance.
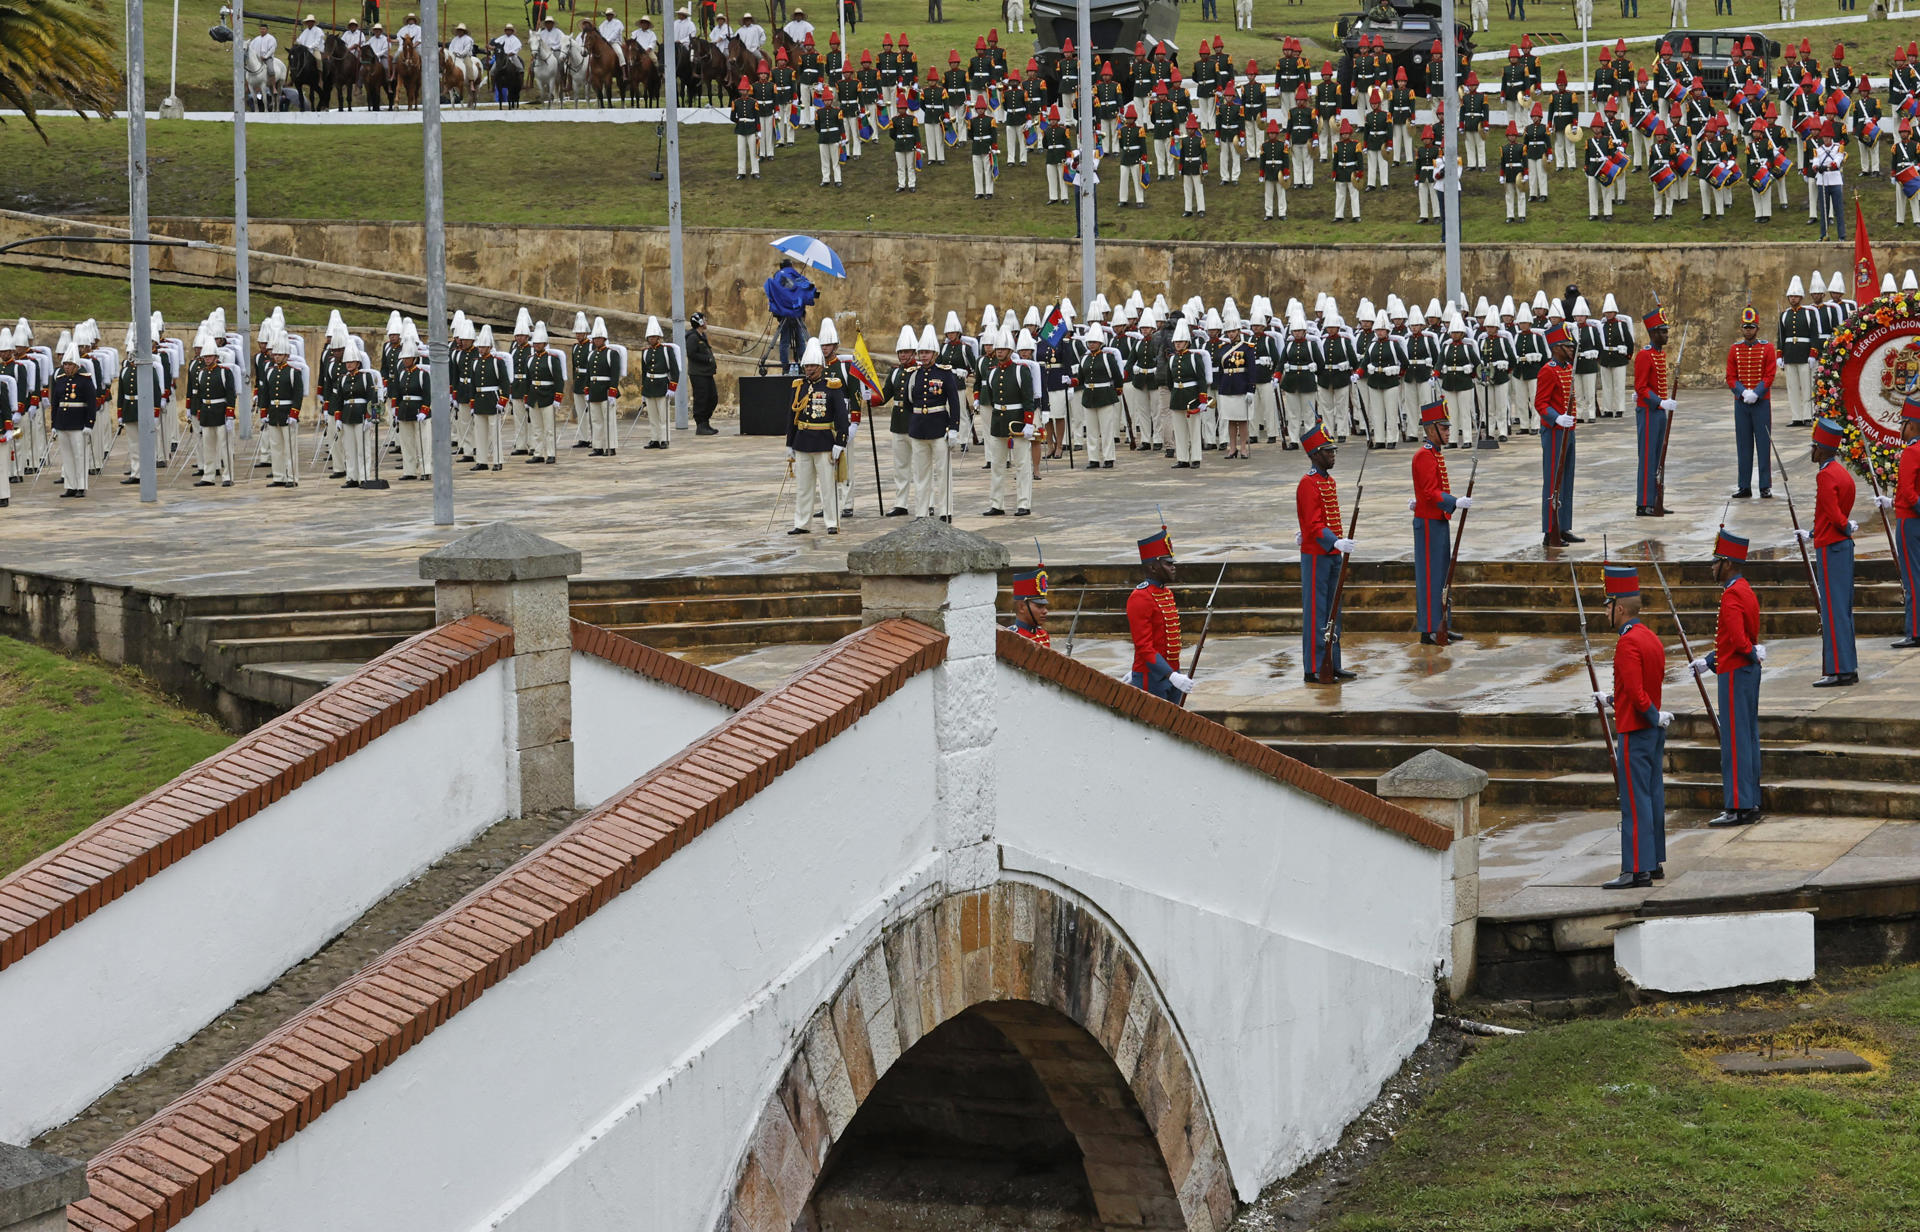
(1087, 207)
(1450, 148)
(676, 264)
(137, 224)
(242, 276)
(436, 272)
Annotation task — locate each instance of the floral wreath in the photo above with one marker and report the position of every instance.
(1828, 398)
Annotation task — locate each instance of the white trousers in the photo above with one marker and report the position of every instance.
(1537, 178)
(73, 459)
(813, 481)
(1229, 163)
(486, 440)
(1346, 199)
(1274, 199)
(659, 418)
(600, 425)
(1382, 407)
(830, 163)
(1131, 189)
(1586, 389)
(215, 455)
(1499, 409)
(982, 174)
(905, 174)
(354, 440)
(746, 155)
(415, 456)
(1613, 391)
(1265, 418)
(1599, 198)
(541, 431)
(1299, 410)
(1193, 193)
(1186, 436)
(902, 471)
(1516, 195)
(1303, 165)
(283, 452)
(1103, 424)
(930, 478)
(1010, 453)
(1799, 381)
(1460, 425)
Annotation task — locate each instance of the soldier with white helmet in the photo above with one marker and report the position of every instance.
(816, 441)
(1010, 390)
(1586, 361)
(281, 390)
(578, 358)
(72, 397)
(1616, 357)
(602, 372)
(212, 401)
(1799, 336)
(546, 385)
(359, 401)
(933, 400)
(1299, 372)
(1099, 379)
(412, 411)
(517, 355)
(492, 383)
(1189, 385)
(894, 391)
(659, 381)
(1497, 355)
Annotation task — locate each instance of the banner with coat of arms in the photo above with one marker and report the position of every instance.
(1865, 372)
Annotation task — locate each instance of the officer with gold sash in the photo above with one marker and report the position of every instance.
(816, 439)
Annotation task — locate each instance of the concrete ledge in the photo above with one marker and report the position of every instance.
(1706, 952)
(35, 1188)
(499, 552)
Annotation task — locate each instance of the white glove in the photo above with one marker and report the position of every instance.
(1181, 681)
(1392, 371)
(790, 453)
(1344, 545)
(1883, 502)
(1604, 699)
(1668, 404)
(1803, 535)
(1463, 502)
(1749, 396)
(1296, 538)
(1030, 431)
(1698, 667)
(1760, 652)
(1563, 421)
(1411, 504)
(1666, 717)
(953, 436)
(1852, 526)
(837, 451)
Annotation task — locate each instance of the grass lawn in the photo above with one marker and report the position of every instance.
(88, 738)
(1625, 1125)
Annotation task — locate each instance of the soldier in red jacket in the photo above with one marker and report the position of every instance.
(1735, 659)
(1153, 620)
(1832, 537)
(1751, 365)
(1905, 503)
(1433, 504)
(1030, 605)
(1324, 549)
(1639, 663)
(1653, 404)
(1553, 399)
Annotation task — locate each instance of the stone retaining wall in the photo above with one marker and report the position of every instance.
(895, 278)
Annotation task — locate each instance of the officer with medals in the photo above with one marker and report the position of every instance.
(1639, 664)
(933, 401)
(1011, 393)
(1324, 549)
(1030, 605)
(816, 438)
(1432, 507)
(1735, 660)
(894, 392)
(1153, 622)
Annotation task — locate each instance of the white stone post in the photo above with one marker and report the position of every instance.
(947, 578)
(35, 1189)
(1447, 790)
(520, 580)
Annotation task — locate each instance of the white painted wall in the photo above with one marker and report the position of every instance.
(625, 724)
(611, 1082)
(1294, 944)
(112, 994)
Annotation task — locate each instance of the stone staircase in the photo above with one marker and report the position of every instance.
(1541, 761)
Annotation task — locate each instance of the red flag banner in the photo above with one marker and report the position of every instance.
(1866, 279)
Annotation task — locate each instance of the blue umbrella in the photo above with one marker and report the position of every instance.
(809, 251)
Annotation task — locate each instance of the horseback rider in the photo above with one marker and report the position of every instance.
(751, 37)
(410, 31)
(264, 45)
(312, 37)
(552, 38)
(721, 35)
(508, 44)
(683, 26)
(645, 39)
(380, 46)
(460, 51)
(614, 31)
(353, 36)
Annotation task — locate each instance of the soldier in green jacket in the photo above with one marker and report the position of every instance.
(1010, 389)
(1276, 167)
(983, 142)
(904, 129)
(1513, 175)
(1055, 145)
(746, 133)
(1133, 159)
(1349, 174)
(1300, 130)
(830, 127)
(659, 381)
(1190, 156)
(1187, 379)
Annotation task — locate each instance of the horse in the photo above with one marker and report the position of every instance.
(265, 78)
(339, 70)
(377, 78)
(707, 70)
(303, 73)
(506, 77)
(406, 72)
(460, 78)
(741, 63)
(602, 68)
(644, 77)
(547, 72)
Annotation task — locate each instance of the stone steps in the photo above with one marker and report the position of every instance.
(708, 634)
(1522, 758)
(794, 606)
(1702, 792)
(291, 624)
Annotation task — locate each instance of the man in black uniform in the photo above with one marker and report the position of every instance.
(492, 379)
(546, 383)
(702, 369)
(933, 396)
(578, 360)
(359, 403)
(211, 401)
(603, 375)
(1011, 392)
(894, 391)
(1799, 334)
(73, 397)
(281, 392)
(413, 403)
(816, 438)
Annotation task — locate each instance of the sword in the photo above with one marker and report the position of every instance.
(1813, 583)
(1593, 677)
(1459, 533)
(1202, 643)
(1327, 634)
(1685, 647)
(1071, 628)
(1660, 473)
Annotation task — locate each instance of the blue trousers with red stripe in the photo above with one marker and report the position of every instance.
(1907, 535)
(1835, 563)
(1652, 425)
(1740, 737)
(1643, 799)
(1318, 575)
(1430, 551)
(1556, 477)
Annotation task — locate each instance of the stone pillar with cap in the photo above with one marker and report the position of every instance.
(931, 572)
(520, 579)
(35, 1189)
(1447, 790)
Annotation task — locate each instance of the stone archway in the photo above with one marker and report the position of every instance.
(1116, 1071)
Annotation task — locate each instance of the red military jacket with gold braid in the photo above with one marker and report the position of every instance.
(1153, 619)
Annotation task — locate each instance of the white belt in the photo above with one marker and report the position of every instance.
(1185, 384)
(489, 389)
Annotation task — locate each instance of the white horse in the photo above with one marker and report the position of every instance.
(576, 67)
(265, 79)
(546, 73)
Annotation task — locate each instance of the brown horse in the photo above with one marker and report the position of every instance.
(707, 72)
(643, 76)
(406, 72)
(741, 63)
(376, 78)
(454, 81)
(339, 71)
(603, 68)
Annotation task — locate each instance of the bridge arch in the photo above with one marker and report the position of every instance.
(1047, 977)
